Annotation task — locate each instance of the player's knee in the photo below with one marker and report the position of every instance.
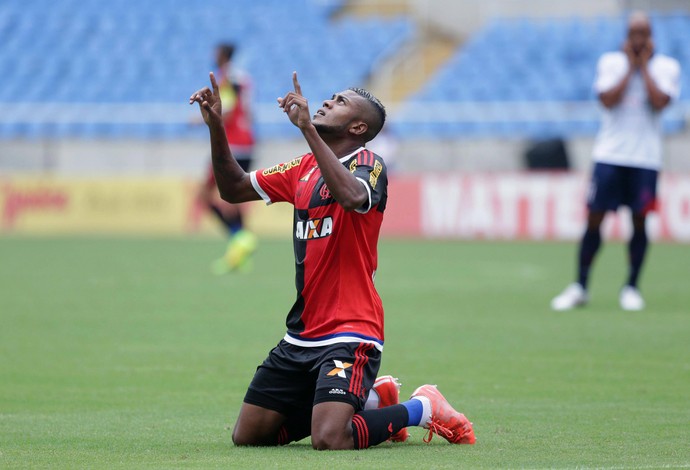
(326, 443)
(240, 439)
(243, 437)
(327, 437)
(594, 221)
(639, 222)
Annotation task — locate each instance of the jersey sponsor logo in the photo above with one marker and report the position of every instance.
(313, 228)
(324, 192)
(339, 368)
(374, 175)
(353, 166)
(337, 391)
(306, 177)
(282, 167)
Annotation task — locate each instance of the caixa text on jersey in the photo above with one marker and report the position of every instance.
(313, 228)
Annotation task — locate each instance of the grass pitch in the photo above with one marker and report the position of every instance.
(128, 353)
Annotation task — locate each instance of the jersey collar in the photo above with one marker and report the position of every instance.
(347, 157)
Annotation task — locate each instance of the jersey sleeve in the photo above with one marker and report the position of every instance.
(611, 69)
(277, 183)
(370, 170)
(667, 78)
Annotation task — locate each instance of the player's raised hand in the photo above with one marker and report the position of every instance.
(647, 52)
(209, 102)
(296, 105)
(630, 54)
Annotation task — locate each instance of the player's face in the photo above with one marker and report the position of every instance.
(639, 33)
(336, 114)
(221, 58)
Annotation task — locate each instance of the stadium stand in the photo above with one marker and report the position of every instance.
(532, 77)
(90, 69)
(58, 56)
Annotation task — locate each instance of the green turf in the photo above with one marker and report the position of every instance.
(126, 353)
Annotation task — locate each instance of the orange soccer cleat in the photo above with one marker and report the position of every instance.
(445, 421)
(388, 389)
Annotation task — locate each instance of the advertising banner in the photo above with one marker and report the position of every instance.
(503, 206)
(530, 206)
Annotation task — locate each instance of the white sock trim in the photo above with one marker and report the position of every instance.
(426, 413)
(372, 402)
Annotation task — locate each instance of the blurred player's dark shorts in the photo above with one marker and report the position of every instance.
(245, 161)
(613, 186)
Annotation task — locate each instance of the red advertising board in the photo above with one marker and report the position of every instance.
(531, 206)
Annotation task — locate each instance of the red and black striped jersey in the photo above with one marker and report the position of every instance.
(335, 250)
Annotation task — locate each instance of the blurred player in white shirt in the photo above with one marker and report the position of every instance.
(634, 85)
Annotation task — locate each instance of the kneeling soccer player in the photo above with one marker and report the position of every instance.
(316, 382)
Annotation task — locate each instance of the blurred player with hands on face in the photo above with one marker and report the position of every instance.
(634, 85)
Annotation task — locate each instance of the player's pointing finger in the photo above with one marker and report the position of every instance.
(214, 84)
(295, 83)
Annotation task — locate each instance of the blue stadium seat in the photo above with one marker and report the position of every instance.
(73, 51)
(543, 60)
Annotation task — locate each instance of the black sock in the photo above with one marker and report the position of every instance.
(233, 224)
(372, 427)
(591, 241)
(219, 215)
(637, 248)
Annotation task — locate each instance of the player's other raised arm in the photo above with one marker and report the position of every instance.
(234, 184)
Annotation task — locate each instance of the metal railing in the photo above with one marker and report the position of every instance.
(268, 113)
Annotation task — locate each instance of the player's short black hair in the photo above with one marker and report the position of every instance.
(378, 117)
(227, 49)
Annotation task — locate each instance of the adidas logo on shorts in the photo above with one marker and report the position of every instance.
(337, 391)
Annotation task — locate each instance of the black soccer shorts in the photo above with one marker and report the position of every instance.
(615, 185)
(293, 379)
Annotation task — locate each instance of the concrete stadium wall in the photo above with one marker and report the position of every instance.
(463, 17)
(509, 155)
(190, 158)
